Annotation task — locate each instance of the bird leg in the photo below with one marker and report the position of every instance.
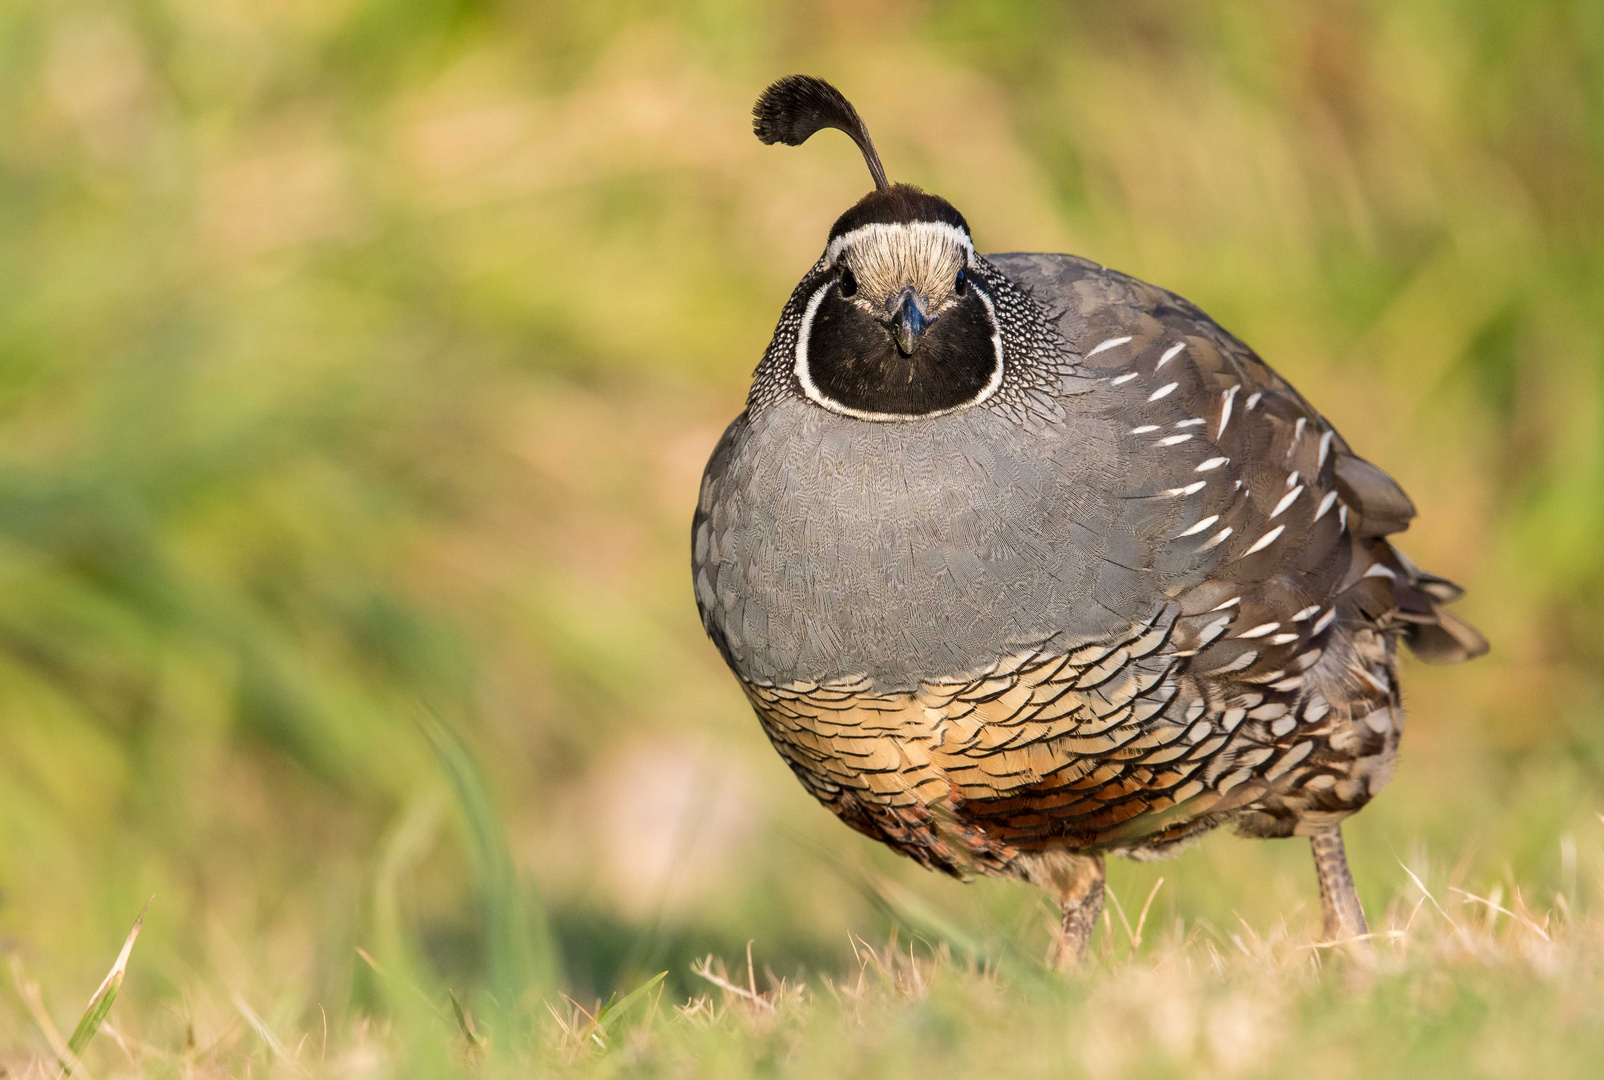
(1339, 900)
(1077, 883)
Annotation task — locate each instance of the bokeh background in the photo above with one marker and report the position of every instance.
(359, 360)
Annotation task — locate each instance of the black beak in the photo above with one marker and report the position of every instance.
(908, 323)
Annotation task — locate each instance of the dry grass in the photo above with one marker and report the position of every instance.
(1450, 983)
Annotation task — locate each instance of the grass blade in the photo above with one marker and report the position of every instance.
(100, 1003)
(464, 1022)
(623, 1005)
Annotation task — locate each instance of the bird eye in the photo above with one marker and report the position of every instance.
(961, 284)
(849, 284)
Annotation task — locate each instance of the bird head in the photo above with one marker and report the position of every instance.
(900, 319)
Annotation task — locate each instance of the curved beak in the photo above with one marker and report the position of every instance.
(908, 322)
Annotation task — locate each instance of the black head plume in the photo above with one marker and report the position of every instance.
(793, 108)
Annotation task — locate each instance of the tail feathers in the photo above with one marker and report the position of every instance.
(1448, 640)
(1433, 634)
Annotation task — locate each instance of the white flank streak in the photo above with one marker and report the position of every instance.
(1125, 378)
(1325, 621)
(1342, 517)
(1325, 448)
(1253, 399)
(1194, 422)
(1217, 539)
(1163, 392)
(1380, 571)
(1169, 354)
(1211, 463)
(1189, 489)
(1325, 504)
(1173, 440)
(1225, 410)
(1286, 500)
(1109, 344)
(1266, 540)
(1229, 603)
(1283, 639)
(1144, 429)
(1306, 612)
(1297, 429)
(1292, 480)
(1199, 527)
(1261, 630)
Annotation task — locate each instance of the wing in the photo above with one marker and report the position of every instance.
(1245, 497)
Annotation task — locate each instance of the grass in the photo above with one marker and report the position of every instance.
(1451, 983)
(358, 363)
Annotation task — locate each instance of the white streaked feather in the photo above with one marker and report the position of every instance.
(1109, 344)
(1266, 540)
(1169, 354)
(1199, 527)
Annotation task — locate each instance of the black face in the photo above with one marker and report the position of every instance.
(855, 359)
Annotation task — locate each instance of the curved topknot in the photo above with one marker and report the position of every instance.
(795, 107)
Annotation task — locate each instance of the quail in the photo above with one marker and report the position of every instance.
(1023, 562)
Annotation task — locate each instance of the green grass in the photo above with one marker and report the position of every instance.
(358, 362)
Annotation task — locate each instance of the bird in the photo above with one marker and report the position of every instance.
(1023, 562)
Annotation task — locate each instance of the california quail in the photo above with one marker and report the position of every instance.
(1022, 561)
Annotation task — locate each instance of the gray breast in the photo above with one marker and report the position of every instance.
(829, 547)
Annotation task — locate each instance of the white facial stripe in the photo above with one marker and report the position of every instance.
(881, 230)
(805, 376)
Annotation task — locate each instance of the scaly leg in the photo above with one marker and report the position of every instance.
(1339, 900)
(1079, 888)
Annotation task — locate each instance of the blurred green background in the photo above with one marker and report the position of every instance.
(359, 360)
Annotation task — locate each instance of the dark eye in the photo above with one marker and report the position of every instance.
(961, 284)
(849, 284)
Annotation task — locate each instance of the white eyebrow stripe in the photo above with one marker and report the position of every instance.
(1266, 540)
(1286, 500)
(1325, 504)
(1174, 440)
(1261, 630)
(1109, 344)
(1169, 354)
(1120, 380)
(1211, 463)
(1163, 392)
(881, 228)
(1199, 527)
